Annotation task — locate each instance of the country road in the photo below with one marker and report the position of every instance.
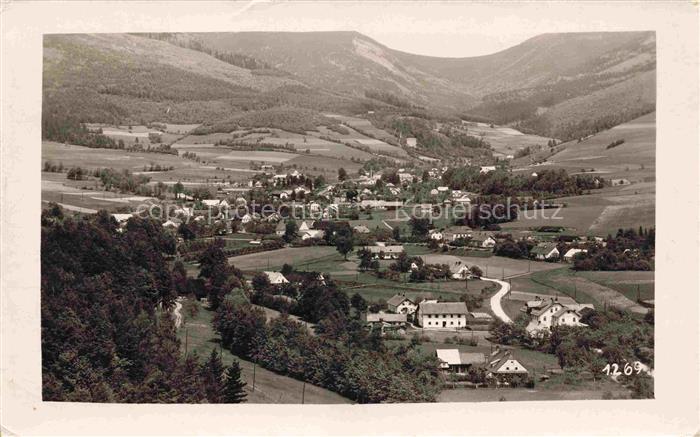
(496, 300)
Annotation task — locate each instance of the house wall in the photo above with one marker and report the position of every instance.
(436, 321)
(511, 366)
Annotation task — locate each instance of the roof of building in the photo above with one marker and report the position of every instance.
(397, 300)
(443, 308)
(499, 357)
(385, 317)
(449, 356)
(472, 357)
(385, 249)
(276, 277)
(458, 230)
(571, 252)
(543, 249)
(484, 316)
(453, 357)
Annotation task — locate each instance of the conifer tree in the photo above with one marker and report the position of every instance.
(213, 378)
(233, 389)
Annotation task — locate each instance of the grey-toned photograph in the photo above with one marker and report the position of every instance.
(348, 216)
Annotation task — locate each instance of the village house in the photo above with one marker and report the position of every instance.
(405, 177)
(502, 363)
(571, 253)
(384, 252)
(411, 142)
(545, 251)
(281, 229)
(312, 233)
(442, 315)
(399, 303)
(361, 229)
(211, 203)
(276, 278)
(546, 314)
(435, 235)
(482, 241)
(305, 225)
(487, 169)
(455, 361)
(385, 321)
(459, 270)
(456, 232)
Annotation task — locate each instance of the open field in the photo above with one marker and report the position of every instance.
(310, 143)
(504, 140)
(583, 290)
(627, 282)
(635, 159)
(495, 266)
(183, 169)
(196, 335)
(600, 213)
(274, 259)
(606, 210)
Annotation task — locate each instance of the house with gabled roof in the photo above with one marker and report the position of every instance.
(276, 278)
(503, 362)
(442, 315)
(399, 303)
(545, 251)
(544, 315)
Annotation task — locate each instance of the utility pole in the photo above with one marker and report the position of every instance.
(254, 376)
(186, 338)
(303, 392)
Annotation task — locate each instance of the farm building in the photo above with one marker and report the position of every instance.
(400, 304)
(456, 232)
(503, 362)
(545, 251)
(361, 229)
(385, 321)
(445, 315)
(571, 253)
(454, 361)
(482, 241)
(435, 235)
(276, 278)
(384, 252)
(411, 142)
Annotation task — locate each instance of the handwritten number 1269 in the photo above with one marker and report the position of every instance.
(614, 369)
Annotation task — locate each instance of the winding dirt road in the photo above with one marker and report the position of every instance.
(496, 300)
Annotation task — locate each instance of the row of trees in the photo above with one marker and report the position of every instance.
(500, 182)
(344, 357)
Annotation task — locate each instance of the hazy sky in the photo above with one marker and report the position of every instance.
(429, 28)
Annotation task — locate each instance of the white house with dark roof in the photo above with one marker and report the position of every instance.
(401, 304)
(545, 251)
(442, 315)
(545, 315)
(503, 362)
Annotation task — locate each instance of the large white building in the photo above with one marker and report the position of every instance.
(442, 315)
